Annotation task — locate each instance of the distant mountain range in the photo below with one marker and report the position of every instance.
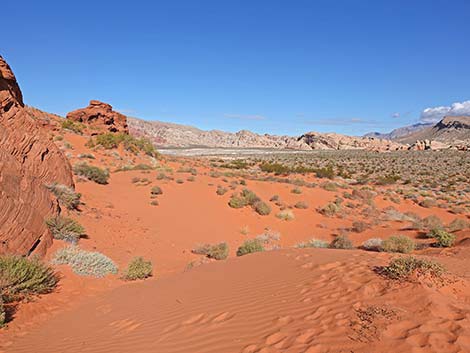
(400, 132)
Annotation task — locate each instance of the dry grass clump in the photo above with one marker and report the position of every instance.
(341, 242)
(297, 191)
(373, 244)
(286, 215)
(301, 205)
(96, 174)
(213, 251)
(261, 208)
(404, 268)
(130, 143)
(428, 223)
(221, 190)
(85, 263)
(428, 202)
(313, 243)
(73, 126)
(398, 243)
(138, 268)
(360, 226)
(66, 195)
(64, 228)
(250, 246)
(330, 209)
(458, 224)
(249, 198)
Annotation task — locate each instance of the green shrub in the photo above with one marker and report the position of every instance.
(237, 201)
(96, 174)
(85, 263)
(443, 238)
(64, 228)
(249, 196)
(130, 143)
(326, 172)
(21, 277)
(403, 268)
(156, 190)
(66, 195)
(313, 243)
(341, 242)
(217, 251)
(398, 243)
(138, 268)
(250, 246)
(72, 126)
(261, 208)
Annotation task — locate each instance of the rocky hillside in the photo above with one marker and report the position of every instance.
(400, 132)
(451, 131)
(29, 160)
(174, 135)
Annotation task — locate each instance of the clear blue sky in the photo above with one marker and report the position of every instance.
(281, 67)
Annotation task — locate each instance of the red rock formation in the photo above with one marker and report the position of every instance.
(28, 161)
(101, 116)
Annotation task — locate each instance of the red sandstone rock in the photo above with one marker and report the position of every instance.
(28, 162)
(102, 116)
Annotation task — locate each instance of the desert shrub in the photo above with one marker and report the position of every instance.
(341, 242)
(330, 209)
(398, 243)
(330, 186)
(326, 172)
(250, 246)
(85, 263)
(86, 156)
(72, 126)
(274, 198)
(301, 205)
(428, 202)
(443, 238)
(138, 268)
(237, 201)
(458, 224)
(428, 223)
(64, 228)
(296, 191)
(250, 196)
(221, 190)
(286, 215)
(130, 143)
(217, 251)
(373, 244)
(154, 203)
(261, 208)
(275, 168)
(359, 226)
(313, 243)
(387, 179)
(402, 268)
(156, 190)
(66, 195)
(3, 315)
(96, 174)
(21, 277)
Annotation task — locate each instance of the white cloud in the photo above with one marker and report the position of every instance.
(244, 117)
(433, 115)
(395, 115)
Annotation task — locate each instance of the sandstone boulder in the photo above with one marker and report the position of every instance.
(101, 116)
(28, 162)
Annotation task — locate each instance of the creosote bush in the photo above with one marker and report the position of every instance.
(138, 268)
(213, 251)
(398, 243)
(66, 195)
(341, 242)
(96, 174)
(21, 277)
(402, 268)
(64, 228)
(85, 263)
(250, 246)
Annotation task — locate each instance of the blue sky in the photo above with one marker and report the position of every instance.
(283, 67)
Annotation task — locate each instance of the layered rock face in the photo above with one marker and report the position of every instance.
(28, 162)
(100, 116)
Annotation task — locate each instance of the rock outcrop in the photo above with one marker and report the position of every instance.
(173, 135)
(28, 162)
(101, 117)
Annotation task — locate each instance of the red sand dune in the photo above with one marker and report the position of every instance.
(281, 301)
